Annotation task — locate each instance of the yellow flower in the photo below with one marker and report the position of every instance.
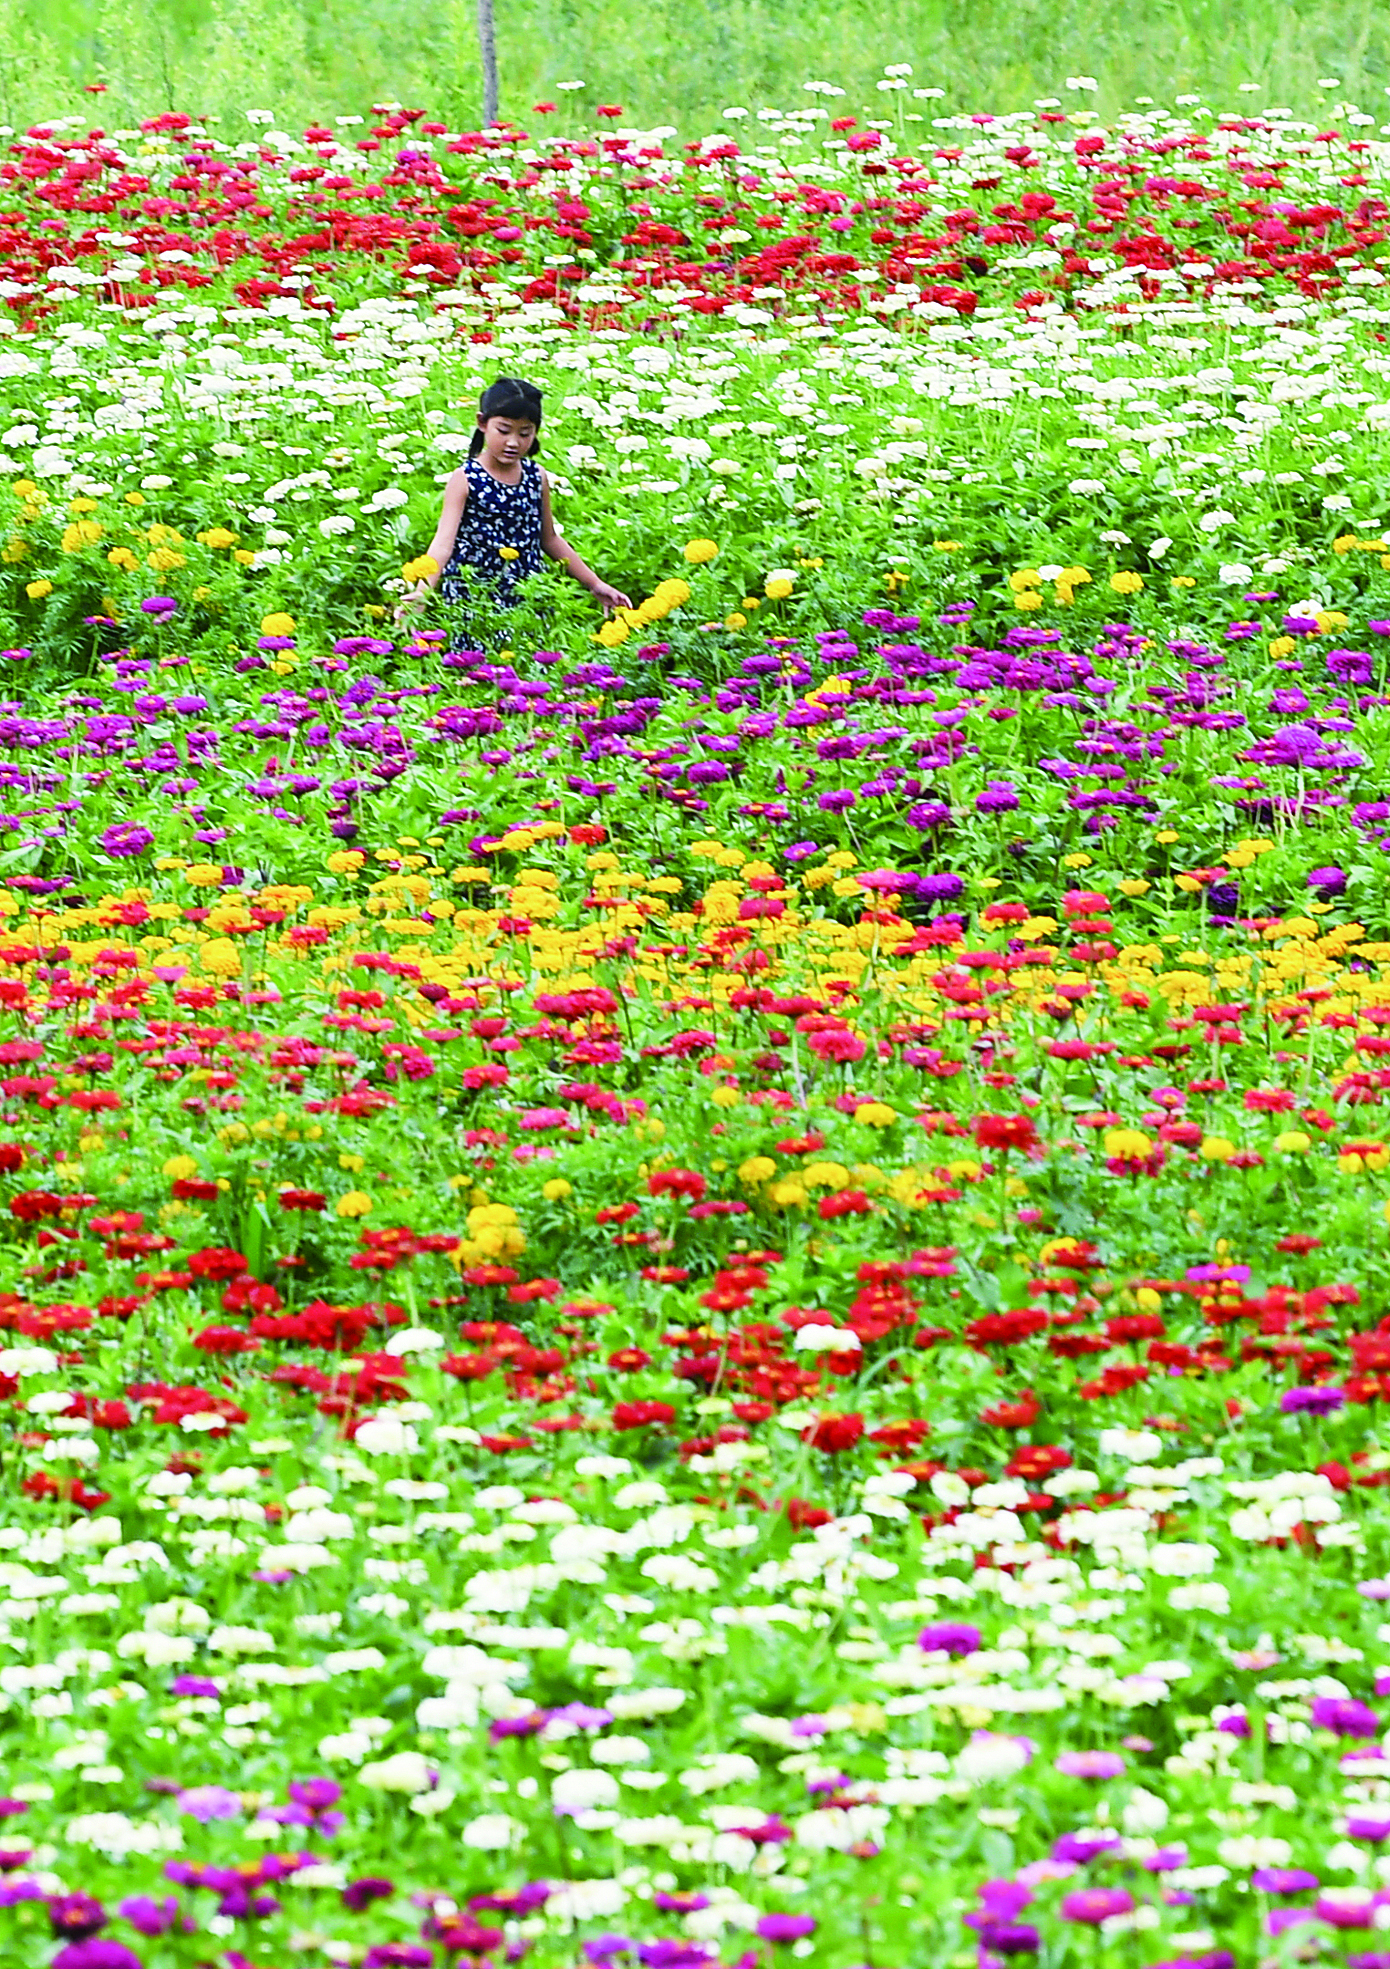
(164, 560)
(789, 1194)
(1293, 1141)
(825, 1176)
(345, 861)
(421, 568)
(778, 586)
(725, 1096)
(757, 1169)
(1344, 543)
(1329, 619)
(1127, 1143)
(220, 956)
(1281, 646)
(507, 554)
(1134, 885)
(218, 536)
(356, 1203)
(612, 633)
(1147, 1300)
(204, 874)
(735, 621)
(697, 552)
(36, 590)
(1024, 577)
(875, 1114)
(135, 499)
(82, 533)
(946, 546)
(1184, 581)
(1126, 582)
(1216, 1148)
(180, 1168)
(1028, 598)
(355, 1164)
(556, 1190)
(278, 624)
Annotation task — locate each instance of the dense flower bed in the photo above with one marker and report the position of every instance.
(710, 1300)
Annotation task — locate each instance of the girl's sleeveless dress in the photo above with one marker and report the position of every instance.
(476, 578)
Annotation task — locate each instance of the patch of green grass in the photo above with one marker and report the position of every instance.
(665, 62)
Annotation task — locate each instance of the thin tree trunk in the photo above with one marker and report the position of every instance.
(487, 49)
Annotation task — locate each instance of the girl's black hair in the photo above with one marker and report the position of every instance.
(507, 397)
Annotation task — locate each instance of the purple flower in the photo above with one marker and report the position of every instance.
(1096, 1904)
(361, 1893)
(1373, 1826)
(786, 1927)
(148, 1916)
(159, 605)
(1328, 882)
(1344, 1716)
(952, 1637)
(205, 1802)
(397, 1955)
(195, 1685)
(1311, 1401)
(1346, 1907)
(96, 1953)
(1010, 1937)
(1095, 1764)
(1084, 1845)
(835, 803)
(604, 1949)
(1283, 1880)
(125, 838)
(999, 797)
(76, 1916)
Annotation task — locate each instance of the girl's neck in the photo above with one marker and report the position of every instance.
(499, 472)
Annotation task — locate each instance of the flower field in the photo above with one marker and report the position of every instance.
(709, 1289)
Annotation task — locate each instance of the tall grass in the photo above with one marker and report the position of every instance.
(668, 61)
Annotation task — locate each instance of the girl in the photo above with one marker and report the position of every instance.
(497, 523)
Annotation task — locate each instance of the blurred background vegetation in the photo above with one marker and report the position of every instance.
(666, 61)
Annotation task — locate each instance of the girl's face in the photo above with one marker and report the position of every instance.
(506, 440)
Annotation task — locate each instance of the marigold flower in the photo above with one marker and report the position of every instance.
(698, 552)
(354, 1203)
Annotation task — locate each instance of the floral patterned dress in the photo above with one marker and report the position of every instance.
(478, 577)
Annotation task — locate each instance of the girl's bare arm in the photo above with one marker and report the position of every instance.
(554, 543)
(445, 534)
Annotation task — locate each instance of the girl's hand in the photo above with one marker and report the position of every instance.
(610, 597)
(409, 603)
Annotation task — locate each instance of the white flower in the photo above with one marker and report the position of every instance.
(605, 1468)
(1133, 1445)
(337, 523)
(19, 1361)
(1087, 488)
(1182, 1560)
(1144, 1813)
(585, 1900)
(117, 1837)
(415, 1340)
(583, 1791)
(826, 1339)
(494, 1832)
(1213, 521)
(679, 1574)
(989, 1755)
(621, 1750)
(640, 1496)
(407, 1771)
(386, 1435)
(1158, 548)
(1235, 574)
(718, 1769)
(1208, 1596)
(388, 499)
(1249, 1850)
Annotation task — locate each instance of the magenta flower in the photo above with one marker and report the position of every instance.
(1094, 1764)
(785, 1927)
(952, 1637)
(1093, 1905)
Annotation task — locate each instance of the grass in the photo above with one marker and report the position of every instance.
(667, 62)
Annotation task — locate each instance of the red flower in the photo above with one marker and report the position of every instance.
(628, 1360)
(642, 1415)
(677, 1182)
(1005, 1132)
(1013, 1415)
(834, 1433)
